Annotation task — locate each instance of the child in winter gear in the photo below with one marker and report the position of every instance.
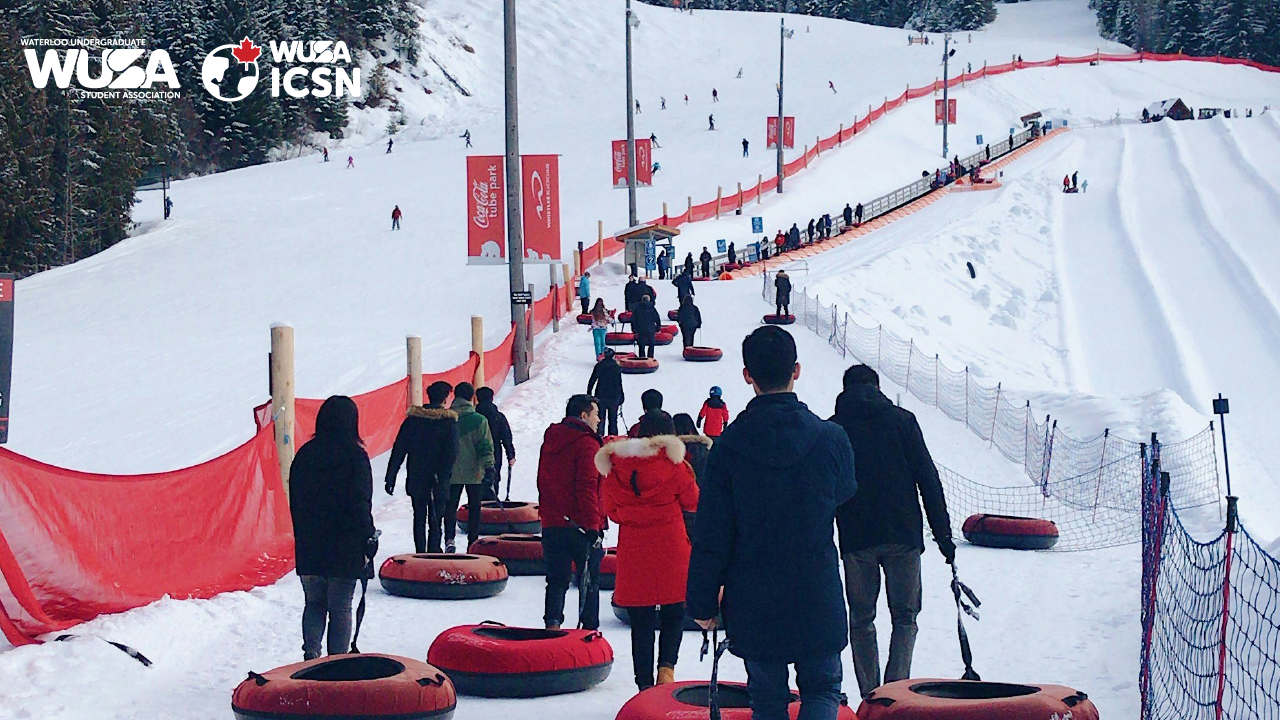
(714, 413)
(584, 293)
(601, 319)
(647, 489)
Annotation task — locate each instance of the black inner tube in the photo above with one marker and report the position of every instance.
(503, 504)
(522, 538)
(518, 634)
(960, 690)
(731, 696)
(351, 668)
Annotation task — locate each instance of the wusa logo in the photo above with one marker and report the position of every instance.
(230, 73)
(128, 72)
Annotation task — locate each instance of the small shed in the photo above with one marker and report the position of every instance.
(643, 242)
(1173, 109)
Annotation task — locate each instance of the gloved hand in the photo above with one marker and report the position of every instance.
(490, 476)
(391, 486)
(594, 537)
(948, 548)
(371, 545)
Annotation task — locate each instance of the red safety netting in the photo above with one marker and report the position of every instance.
(497, 361)
(79, 544)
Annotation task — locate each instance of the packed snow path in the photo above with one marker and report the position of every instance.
(1046, 617)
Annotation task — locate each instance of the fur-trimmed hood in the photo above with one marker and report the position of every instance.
(651, 447)
(696, 439)
(427, 412)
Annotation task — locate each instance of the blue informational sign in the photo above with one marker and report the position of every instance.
(757, 225)
(979, 139)
(650, 255)
(722, 246)
(753, 252)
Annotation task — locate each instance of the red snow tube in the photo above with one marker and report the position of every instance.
(1007, 531)
(620, 338)
(638, 366)
(624, 316)
(625, 618)
(673, 314)
(730, 267)
(623, 355)
(492, 660)
(703, 279)
(662, 338)
(347, 686)
(685, 700)
(521, 553)
(497, 517)
(584, 319)
(779, 319)
(671, 329)
(437, 576)
(609, 569)
(971, 700)
(694, 353)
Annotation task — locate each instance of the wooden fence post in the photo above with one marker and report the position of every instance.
(413, 354)
(760, 188)
(664, 212)
(599, 242)
(569, 289)
(719, 197)
(477, 347)
(739, 195)
(690, 210)
(555, 299)
(282, 397)
(577, 263)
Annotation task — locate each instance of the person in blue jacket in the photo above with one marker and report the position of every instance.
(584, 293)
(783, 600)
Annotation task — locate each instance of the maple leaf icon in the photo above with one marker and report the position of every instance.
(247, 52)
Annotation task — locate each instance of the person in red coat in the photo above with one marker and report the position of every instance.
(714, 413)
(572, 515)
(647, 489)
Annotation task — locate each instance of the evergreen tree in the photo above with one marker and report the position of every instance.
(1181, 27)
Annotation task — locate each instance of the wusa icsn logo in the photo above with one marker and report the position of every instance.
(230, 73)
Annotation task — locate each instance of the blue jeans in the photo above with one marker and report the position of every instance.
(598, 334)
(818, 681)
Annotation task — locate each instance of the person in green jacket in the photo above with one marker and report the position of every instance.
(473, 469)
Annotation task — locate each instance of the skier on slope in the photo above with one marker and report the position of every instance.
(831, 84)
(395, 218)
(390, 142)
(711, 122)
(466, 136)
(746, 148)
(351, 162)
(715, 96)
(326, 154)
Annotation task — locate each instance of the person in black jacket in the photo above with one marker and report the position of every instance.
(502, 440)
(778, 568)
(429, 437)
(689, 318)
(810, 230)
(643, 288)
(881, 528)
(733, 254)
(606, 386)
(857, 214)
(793, 237)
(848, 215)
(705, 260)
(684, 285)
(645, 322)
(331, 501)
(630, 294)
(688, 264)
(696, 445)
(782, 292)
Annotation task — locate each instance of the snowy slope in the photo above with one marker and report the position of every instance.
(186, 304)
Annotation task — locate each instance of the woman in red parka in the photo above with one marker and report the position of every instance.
(647, 489)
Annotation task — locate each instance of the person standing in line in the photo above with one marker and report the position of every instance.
(504, 446)
(664, 264)
(881, 529)
(848, 215)
(395, 218)
(782, 292)
(684, 282)
(473, 470)
(1084, 186)
(644, 288)
(645, 322)
(1075, 180)
(688, 264)
(428, 436)
(733, 254)
(571, 511)
(334, 539)
(696, 446)
(743, 544)
(606, 386)
(857, 213)
(584, 292)
(714, 413)
(601, 319)
(650, 401)
(648, 487)
(630, 294)
(705, 260)
(689, 318)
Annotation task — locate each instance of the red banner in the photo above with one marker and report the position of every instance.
(541, 193)
(486, 210)
(788, 132)
(951, 112)
(644, 163)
